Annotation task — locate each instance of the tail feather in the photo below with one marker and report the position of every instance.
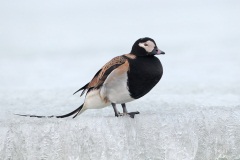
(62, 116)
(83, 88)
(29, 115)
(71, 113)
(78, 112)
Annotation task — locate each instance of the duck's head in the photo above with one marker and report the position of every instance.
(145, 47)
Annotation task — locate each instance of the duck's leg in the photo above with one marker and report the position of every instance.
(124, 108)
(115, 110)
(131, 114)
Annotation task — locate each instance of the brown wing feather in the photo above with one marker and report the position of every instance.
(98, 80)
(102, 74)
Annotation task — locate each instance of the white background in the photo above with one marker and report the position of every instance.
(51, 48)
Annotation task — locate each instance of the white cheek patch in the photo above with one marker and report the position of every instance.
(141, 45)
(149, 47)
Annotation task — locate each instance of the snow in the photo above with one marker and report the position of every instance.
(49, 49)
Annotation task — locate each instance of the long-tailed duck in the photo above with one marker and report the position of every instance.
(121, 80)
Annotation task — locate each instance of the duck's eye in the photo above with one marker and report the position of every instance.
(145, 44)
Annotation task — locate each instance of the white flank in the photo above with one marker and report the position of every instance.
(94, 101)
(115, 88)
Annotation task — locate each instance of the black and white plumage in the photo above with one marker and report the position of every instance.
(121, 80)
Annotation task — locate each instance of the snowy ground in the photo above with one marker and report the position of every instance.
(49, 49)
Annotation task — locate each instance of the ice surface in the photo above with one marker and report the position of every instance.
(49, 49)
(175, 134)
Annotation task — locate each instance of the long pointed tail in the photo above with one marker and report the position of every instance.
(77, 111)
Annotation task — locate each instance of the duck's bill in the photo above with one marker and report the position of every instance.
(157, 51)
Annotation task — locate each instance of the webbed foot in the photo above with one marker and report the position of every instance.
(132, 114)
(118, 114)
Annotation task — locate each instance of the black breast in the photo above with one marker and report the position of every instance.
(145, 72)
